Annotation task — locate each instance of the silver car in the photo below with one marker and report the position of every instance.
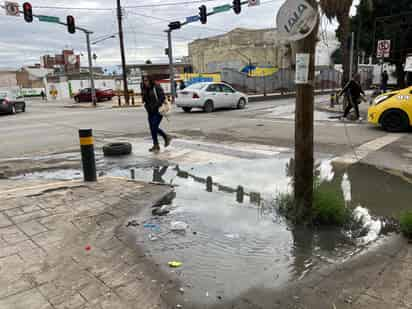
(209, 97)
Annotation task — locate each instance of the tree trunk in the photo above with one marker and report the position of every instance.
(344, 30)
(304, 159)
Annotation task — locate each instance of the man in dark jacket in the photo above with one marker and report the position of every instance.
(153, 98)
(353, 91)
(384, 81)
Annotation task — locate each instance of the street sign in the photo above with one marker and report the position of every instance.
(254, 2)
(296, 19)
(48, 19)
(302, 68)
(222, 8)
(408, 64)
(192, 19)
(384, 49)
(12, 8)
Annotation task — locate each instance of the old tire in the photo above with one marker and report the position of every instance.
(209, 107)
(187, 109)
(117, 149)
(395, 121)
(241, 104)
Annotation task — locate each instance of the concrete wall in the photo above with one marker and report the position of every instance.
(63, 88)
(281, 81)
(8, 79)
(234, 49)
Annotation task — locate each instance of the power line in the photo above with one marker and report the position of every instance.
(125, 7)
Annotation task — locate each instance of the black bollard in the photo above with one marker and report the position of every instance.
(209, 184)
(255, 198)
(132, 174)
(88, 158)
(240, 194)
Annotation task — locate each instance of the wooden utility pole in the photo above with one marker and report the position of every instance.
(124, 70)
(304, 156)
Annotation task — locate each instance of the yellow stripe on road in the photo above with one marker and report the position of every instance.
(84, 141)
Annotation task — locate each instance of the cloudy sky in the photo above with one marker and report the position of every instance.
(144, 22)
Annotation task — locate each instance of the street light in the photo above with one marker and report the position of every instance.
(104, 39)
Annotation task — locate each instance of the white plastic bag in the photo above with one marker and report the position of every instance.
(178, 226)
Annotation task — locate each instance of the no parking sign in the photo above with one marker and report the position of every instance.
(254, 2)
(384, 49)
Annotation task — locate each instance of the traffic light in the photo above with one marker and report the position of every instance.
(28, 12)
(71, 26)
(167, 51)
(175, 25)
(203, 14)
(237, 6)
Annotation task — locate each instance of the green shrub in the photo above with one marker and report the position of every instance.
(406, 224)
(329, 207)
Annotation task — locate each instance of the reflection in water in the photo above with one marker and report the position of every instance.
(224, 236)
(158, 173)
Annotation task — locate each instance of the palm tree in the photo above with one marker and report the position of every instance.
(340, 9)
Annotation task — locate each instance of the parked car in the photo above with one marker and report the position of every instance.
(392, 110)
(210, 96)
(11, 103)
(85, 95)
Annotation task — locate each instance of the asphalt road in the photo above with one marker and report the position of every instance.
(50, 127)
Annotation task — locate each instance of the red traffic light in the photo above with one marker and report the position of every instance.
(28, 12)
(71, 26)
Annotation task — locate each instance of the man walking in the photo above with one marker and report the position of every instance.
(384, 81)
(353, 91)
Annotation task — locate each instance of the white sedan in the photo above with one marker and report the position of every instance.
(210, 96)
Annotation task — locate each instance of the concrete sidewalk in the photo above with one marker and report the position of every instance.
(59, 247)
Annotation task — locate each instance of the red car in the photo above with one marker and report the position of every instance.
(85, 95)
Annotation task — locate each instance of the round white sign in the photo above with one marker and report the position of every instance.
(296, 19)
(72, 59)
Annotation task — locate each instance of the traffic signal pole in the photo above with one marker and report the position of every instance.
(203, 14)
(89, 54)
(171, 65)
(87, 32)
(122, 53)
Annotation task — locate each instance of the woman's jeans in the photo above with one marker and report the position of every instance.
(154, 123)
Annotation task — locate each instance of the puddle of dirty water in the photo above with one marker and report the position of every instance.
(231, 246)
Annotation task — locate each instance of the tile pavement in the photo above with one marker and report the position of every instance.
(44, 231)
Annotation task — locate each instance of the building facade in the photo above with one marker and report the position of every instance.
(239, 48)
(67, 62)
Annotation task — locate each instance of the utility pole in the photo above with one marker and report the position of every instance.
(119, 20)
(89, 54)
(304, 156)
(171, 66)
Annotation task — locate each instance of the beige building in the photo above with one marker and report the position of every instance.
(8, 78)
(238, 48)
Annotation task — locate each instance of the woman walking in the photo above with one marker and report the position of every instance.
(153, 98)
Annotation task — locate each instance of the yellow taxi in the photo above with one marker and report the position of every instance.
(392, 110)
